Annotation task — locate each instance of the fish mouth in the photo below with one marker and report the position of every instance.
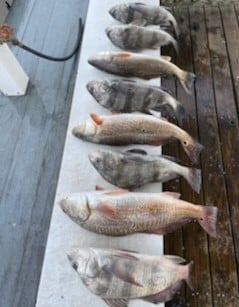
(94, 157)
(90, 86)
(63, 205)
(108, 31)
(112, 12)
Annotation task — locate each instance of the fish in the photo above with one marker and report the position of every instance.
(143, 15)
(118, 276)
(128, 64)
(126, 96)
(131, 37)
(126, 129)
(135, 168)
(120, 212)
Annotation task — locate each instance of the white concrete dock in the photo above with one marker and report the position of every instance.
(60, 285)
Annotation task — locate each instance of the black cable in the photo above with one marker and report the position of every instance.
(48, 57)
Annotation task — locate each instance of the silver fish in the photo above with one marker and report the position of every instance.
(126, 129)
(144, 14)
(119, 212)
(134, 168)
(118, 276)
(128, 64)
(131, 37)
(130, 96)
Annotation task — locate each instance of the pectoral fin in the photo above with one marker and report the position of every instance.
(121, 272)
(165, 295)
(175, 259)
(139, 22)
(116, 302)
(106, 209)
(96, 118)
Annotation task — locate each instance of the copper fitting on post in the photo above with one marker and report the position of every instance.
(6, 33)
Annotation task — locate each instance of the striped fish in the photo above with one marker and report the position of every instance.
(119, 212)
(134, 168)
(118, 276)
(128, 96)
(143, 15)
(131, 37)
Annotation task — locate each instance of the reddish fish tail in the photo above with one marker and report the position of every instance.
(194, 179)
(193, 149)
(209, 219)
(187, 79)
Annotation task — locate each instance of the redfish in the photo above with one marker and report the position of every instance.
(119, 212)
(125, 129)
(142, 66)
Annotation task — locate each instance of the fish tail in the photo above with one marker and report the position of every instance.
(194, 179)
(174, 23)
(187, 79)
(188, 277)
(180, 112)
(209, 219)
(175, 45)
(193, 149)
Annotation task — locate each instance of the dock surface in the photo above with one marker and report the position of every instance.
(209, 45)
(60, 285)
(32, 136)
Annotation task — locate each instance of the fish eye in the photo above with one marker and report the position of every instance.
(185, 142)
(75, 266)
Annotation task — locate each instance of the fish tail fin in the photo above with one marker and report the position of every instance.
(174, 23)
(187, 79)
(175, 45)
(188, 277)
(193, 149)
(180, 112)
(209, 219)
(194, 179)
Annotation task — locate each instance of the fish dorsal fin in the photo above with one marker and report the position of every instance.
(175, 259)
(166, 8)
(118, 302)
(137, 151)
(116, 192)
(170, 158)
(158, 115)
(172, 194)
(96, 118)
(155, 113)
(126, 80)
(123, 55)
(166, 58)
